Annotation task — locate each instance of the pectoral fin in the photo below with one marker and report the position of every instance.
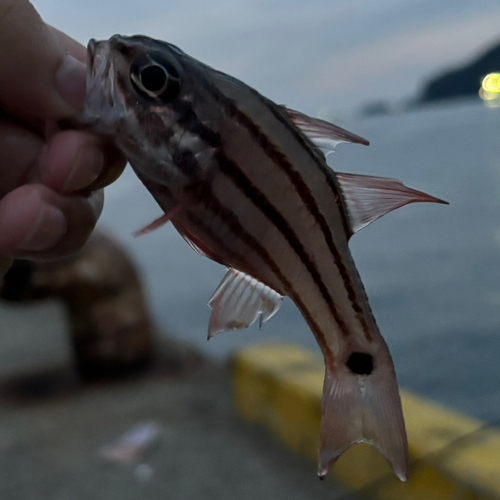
(239, 301)
(323, 134)
(368, 198)
(166, 217)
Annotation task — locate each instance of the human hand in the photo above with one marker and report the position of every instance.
(44, 171)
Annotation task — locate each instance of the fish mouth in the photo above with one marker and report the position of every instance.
(90, 54)
(103, 104)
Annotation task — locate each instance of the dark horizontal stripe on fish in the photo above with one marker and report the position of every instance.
(231, 170)
(212, 204)
(325, 169)
(193, 124)
(189, 121)
(351, 293)
(277, 156)
(184, 158)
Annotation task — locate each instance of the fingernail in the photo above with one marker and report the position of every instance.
(88, 165)
(48, 229)
(70, 81)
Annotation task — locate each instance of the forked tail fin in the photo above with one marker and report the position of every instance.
(362, 407)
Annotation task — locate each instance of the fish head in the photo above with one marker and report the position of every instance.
(135, 95)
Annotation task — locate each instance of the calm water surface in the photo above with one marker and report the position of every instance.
(432, 272)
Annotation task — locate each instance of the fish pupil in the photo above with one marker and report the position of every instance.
(153, 78)
(360, 363)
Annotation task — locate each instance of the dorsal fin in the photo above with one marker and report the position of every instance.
(239, 301)
(323, 134)
(368, 198)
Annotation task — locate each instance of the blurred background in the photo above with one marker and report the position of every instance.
(430, 271)
(409, 75)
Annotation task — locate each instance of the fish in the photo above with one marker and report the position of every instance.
(246, 183)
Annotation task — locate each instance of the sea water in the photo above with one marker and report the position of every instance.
(432, 272)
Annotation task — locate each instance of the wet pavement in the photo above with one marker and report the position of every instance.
(52, 427)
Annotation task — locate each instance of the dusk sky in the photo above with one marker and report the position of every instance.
(317, 56)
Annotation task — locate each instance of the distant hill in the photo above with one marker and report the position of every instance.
(462, 82)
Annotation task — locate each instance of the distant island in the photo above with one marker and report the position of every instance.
(462, 82)
(458, 83)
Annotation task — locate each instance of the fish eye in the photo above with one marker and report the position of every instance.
(155, 79)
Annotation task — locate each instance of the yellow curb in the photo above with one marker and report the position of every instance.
(451, 456)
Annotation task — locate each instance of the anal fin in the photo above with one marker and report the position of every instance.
(362, 409)
(239, 301)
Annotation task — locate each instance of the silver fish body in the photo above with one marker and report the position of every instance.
(242, 180)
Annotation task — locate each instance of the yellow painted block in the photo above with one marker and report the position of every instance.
(452, 456)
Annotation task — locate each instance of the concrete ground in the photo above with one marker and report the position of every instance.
(52, 427)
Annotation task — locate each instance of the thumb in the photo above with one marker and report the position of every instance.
(37, 77)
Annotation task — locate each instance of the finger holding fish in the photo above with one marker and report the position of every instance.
(67, 162)
(43, 80)
(36, 222)
(73, 161)
(33, 218)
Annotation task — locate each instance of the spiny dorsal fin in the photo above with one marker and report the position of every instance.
(323, 134)
(368, 198)
(239, 301)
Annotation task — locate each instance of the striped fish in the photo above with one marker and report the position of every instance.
(246, 183)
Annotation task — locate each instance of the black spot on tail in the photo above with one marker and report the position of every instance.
(360, 363)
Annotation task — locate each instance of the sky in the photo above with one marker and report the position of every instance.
(317, 55)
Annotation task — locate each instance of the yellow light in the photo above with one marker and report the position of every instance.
(491, 83)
